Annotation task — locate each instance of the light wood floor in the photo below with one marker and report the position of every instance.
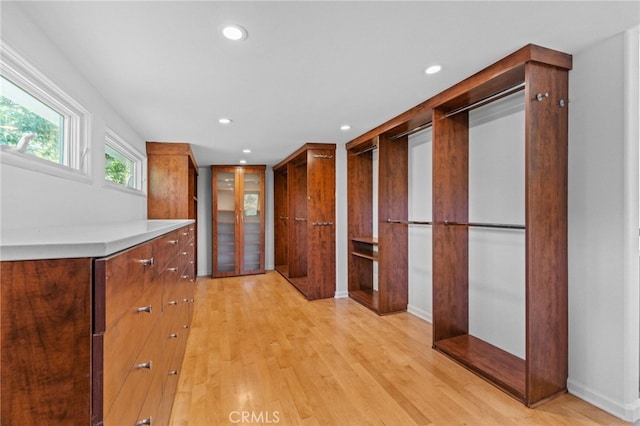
(259, 353)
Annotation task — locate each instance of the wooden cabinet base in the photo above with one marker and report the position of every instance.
(45, 344)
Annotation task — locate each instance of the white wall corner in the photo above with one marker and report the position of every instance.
(420, 313)
(629, 412)
(341, 294)
(631, 325)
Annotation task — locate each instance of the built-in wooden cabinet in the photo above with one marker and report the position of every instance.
(238, 220)
(304, 222)
(142, 314)
(378, 244)
(89, 340)
(543, 76)
(45, 340)
(172, 183)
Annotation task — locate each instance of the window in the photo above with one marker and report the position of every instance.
(41, 127)
(22, 114)
(123, 165)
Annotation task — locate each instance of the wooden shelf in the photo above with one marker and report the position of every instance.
(366, 240)
(373, 256)
(368, 298)
(505, 370)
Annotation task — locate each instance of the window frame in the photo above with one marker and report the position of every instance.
(77, 121)
(118, 144)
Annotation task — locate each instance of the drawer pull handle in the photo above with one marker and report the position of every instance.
(173, 336)
(146, 262)
(173, 241)
(185, 233)
(172, 269)
(185, 326)
(146, 309)
(146, 365)
(142, 422)
(173, 302)
(186, 300)
(173, 372)
(185, 253)
(185, 277)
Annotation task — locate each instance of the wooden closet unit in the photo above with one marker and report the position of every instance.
(543, 75)
(238, 220)
(172, 183)
(389, 248)
(304, 224)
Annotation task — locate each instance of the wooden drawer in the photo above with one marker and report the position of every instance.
(130, 398)
(123, 343)
(149, 414)
(166, 248)
(187, 234)
(120, 280)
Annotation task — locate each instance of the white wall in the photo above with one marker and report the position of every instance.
(205, 232)
(603, 221)
(342, 254)
(31, 198)
(420, 236)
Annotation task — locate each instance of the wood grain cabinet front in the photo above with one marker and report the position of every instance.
(45, 343)
(144, 295)
(96, 340)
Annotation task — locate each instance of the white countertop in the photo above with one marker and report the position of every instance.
(81, 241)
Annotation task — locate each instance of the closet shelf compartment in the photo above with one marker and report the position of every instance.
(304, 204)
(543, 373)
(505, 370)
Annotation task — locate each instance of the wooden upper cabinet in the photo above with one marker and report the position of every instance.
(238, 220)
(172, 181)
(173, 184)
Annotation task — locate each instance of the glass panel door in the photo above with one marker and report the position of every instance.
(251, 221)
(226, 222)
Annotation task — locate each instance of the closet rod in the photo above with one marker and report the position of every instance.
(485, 225)
(409, 222)
(370, 148)
(504, 93)
(411, 131)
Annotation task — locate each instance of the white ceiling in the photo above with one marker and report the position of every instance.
(306, 67)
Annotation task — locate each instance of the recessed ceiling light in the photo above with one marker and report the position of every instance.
(234, 32)
(433, 69)
(243, 161)
(246, 151)
(224, 120)
(345, 127)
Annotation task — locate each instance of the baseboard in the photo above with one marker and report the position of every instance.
(341, 294)
(420, 313)
(628, 412)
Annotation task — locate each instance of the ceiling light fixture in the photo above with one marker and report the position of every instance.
(234, 32)
(345, 127)
(225, 120)
(243, 161)
(433, 69)
(246, 151)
